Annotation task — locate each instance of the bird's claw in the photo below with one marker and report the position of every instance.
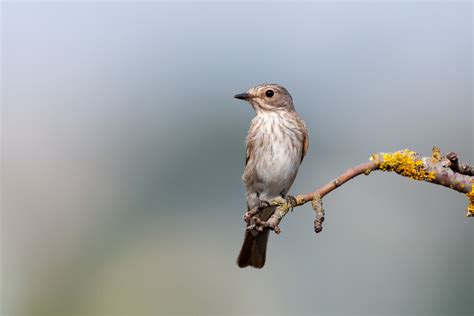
(291, 200)
(247, 216)
(256, 224)
(256, 210)
(260, 226)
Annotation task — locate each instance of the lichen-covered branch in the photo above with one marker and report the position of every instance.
(436, 169)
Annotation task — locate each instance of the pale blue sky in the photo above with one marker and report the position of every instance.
(123, 150)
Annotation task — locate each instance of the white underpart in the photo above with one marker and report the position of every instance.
(278, 154)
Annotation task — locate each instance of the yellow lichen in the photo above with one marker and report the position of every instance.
(470, 197)
(300, 199)
(405, 163)
(436, 154)
(282, 206)
(317, 204)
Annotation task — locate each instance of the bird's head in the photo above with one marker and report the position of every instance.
(268, 97)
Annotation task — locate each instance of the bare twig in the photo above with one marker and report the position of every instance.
(437, 169)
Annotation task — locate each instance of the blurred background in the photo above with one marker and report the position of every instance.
(123, 149)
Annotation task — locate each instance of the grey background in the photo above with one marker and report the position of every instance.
(123, 150)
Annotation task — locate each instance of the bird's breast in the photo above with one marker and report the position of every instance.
(276, 143)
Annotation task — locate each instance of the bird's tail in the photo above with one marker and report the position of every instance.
(253, 250)
(254, 247)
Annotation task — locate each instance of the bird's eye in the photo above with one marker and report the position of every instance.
(269, 93)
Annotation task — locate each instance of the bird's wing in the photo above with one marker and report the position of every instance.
(247, 155)
(305, 143)
(249, 144)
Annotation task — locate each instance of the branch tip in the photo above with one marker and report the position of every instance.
(317, 205)
(470, 197)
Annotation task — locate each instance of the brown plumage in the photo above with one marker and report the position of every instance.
(277, 142)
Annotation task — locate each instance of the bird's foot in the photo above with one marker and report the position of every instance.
(259, 225)
(283, 204)
(291, 200)
(247, 216)
(262, 204)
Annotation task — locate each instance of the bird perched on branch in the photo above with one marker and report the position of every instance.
(277, 142)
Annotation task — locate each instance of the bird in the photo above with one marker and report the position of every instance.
(276, 143)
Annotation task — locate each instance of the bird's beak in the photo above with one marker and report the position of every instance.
(242, 96)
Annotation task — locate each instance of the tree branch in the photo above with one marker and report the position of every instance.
(437, 169)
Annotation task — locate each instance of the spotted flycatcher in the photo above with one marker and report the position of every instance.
(277, 141)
